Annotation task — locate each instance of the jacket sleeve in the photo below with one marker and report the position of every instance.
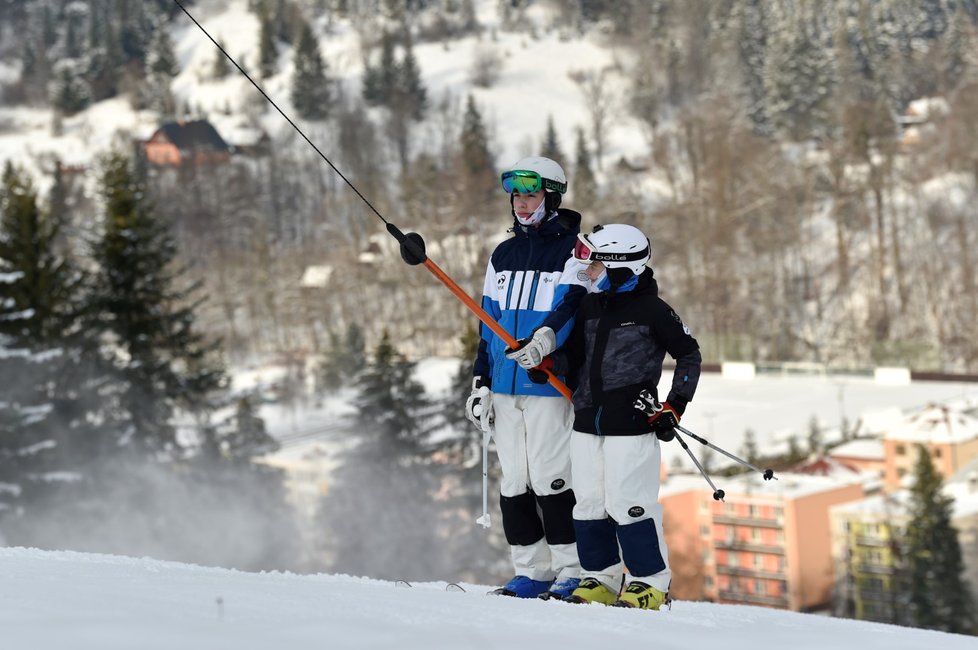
(675, 336)
(483, 365)
(570, 357)
(571, 287)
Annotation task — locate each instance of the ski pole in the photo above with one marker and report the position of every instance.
(648, 404)
(412, 245)
(717, 494)
(768, 474)
(484, 519)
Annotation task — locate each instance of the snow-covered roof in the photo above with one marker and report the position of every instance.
(936, 423)
(789, 485)
(896, 504)
(316, 276)
(867, 449)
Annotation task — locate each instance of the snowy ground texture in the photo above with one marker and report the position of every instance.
(62, 600)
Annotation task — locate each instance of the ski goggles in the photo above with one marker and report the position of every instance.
(526, 181)
(585, 251)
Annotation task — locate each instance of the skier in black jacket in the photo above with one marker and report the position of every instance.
(620, 337)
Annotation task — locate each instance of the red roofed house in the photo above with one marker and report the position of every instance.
(182, 143)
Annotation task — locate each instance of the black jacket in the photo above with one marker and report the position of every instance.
(616, 349)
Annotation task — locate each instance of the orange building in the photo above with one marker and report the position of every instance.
(948, 433)
(866, 455)
(768, 544)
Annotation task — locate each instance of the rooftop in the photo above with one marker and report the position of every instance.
(867, 449)
(936, 423)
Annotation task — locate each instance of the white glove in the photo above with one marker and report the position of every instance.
(478, 407)
(532, 351)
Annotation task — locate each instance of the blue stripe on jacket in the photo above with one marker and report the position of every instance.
(536, 259)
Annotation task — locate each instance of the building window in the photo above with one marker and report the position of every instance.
(779, 536)
(759, 587)
(733, 560)
(754, 512)
(900, 450)
(937, 452)
(779, 513)
(758, 561)
(708, 582)
(705, 530)
(902, 472)
(755, 534)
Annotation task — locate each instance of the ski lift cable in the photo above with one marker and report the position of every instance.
(412, 245)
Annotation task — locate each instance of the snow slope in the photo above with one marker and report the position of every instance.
(59, 600)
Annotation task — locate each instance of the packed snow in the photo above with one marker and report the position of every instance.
(57, 600)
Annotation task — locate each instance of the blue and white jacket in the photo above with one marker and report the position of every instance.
(532, 281)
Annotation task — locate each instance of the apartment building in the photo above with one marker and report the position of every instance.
(867, 557)
(767, 544)
(950, 435)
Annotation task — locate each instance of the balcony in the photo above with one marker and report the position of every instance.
(866, 540)
(875, 568)
(756, 599)
(749, 572)
(753, 547)
(746, 521)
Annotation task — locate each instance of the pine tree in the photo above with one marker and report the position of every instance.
(410, 88)
(814, 436)
(42, 405)
(551, 146)
(585, 187)
(310, 85)
(160, 69)
(749, 450)
(267, 49)
(475, 142)
(162, 362)
(390, 401)
(221, 68)
(70, 92)
(939, 597)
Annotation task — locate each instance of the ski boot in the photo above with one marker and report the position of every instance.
(592, 590)
(561, 589)
(523, 587)
(641, 596)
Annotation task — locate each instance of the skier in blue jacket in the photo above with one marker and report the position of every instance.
(532, 288)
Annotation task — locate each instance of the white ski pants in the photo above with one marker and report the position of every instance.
(618, 476)
(532, 435)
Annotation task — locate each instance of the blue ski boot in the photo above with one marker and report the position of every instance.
(561, 589)
(522, 587)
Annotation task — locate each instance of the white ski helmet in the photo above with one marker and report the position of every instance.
(552, 174)
(617, 246)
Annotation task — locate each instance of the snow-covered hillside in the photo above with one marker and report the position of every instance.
(536, 69)
(59, 600)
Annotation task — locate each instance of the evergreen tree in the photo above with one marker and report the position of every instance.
(380, 83)
(267, 48)
(749, 450)
(390, 401)
(584, 187)
(42, 403)
(410, 88)
(310, 85)
(475, 141)
(221, 67)
(814, 436)
(70, 92)
(798, 80)
(551, 146)
(939, 597)
(161, 361)
(160, 68)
